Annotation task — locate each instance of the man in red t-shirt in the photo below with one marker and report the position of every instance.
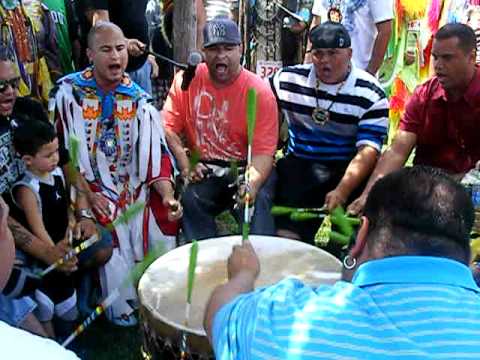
(442, 119)
(211, 115)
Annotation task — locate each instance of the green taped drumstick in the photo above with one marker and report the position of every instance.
(305, 216)
(251, 122)
(132, 211)
(192, 265)
(251, 113)
(195, 157)
(234, 173)
(282, 210)
(338, 238)
(285, 210)
(136, 273)
(339, 218)
(74, 153)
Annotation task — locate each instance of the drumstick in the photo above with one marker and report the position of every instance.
(133, 275)
(305, 216)
(129, 213)
(75, 251)
(192, 264)
(95, 314)
(286, 210)
(251, 120)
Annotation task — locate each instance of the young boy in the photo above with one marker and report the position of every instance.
(42, 205)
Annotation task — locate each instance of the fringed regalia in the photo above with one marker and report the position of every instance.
(121, 143)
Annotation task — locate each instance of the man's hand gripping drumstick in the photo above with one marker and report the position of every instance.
(243, 268)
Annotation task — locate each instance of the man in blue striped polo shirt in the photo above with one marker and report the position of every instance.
(412, 295)
(337, 118)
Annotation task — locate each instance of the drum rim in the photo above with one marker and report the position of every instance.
(181, 327)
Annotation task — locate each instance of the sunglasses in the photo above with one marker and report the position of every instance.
(12, 82)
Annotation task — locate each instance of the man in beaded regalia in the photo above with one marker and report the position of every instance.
(122, 156)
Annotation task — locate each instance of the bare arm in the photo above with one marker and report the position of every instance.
(176, 146)
(165, 189)
(259, 172)
(83, 228)
(357, 171)
(393, 159)
(36, 248)
(243, 269)
(380, 46)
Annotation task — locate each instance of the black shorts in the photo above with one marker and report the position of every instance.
(304, 183)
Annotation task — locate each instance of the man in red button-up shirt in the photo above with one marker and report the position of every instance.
(442, 119)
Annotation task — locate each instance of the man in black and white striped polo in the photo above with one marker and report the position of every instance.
(337, 118)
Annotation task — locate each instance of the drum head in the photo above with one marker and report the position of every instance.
(162, 289)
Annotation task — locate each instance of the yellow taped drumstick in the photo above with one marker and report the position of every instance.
(100, 309)
(75, 251)
(133, 275)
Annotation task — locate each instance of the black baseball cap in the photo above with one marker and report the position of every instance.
(330, 35)
(220, 30)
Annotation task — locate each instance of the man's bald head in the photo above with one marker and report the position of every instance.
(107, 51)
(100, 27)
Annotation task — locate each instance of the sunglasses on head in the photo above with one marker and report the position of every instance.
(12, 82)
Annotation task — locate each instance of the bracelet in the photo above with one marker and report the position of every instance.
(85, 213)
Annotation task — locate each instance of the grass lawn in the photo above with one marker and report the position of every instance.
(104, 341)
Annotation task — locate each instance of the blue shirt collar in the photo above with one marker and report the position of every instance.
(416, 270)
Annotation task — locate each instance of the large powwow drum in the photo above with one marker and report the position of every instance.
(162, 289)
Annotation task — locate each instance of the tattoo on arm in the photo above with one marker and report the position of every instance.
(23, 238)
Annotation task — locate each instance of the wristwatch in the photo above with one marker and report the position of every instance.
(85, 213)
